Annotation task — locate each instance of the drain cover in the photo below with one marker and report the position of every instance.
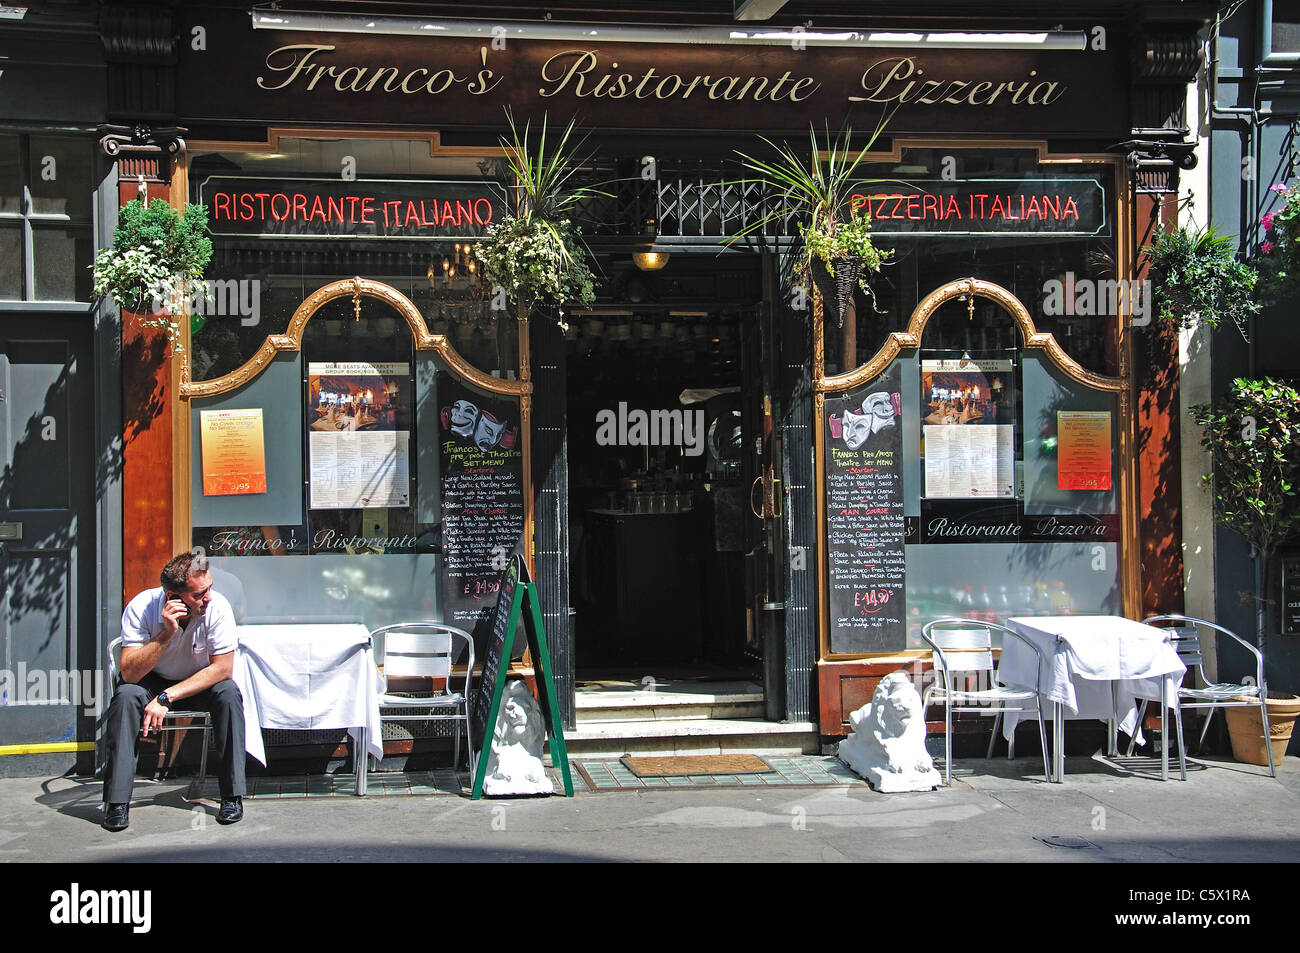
(1065, 840)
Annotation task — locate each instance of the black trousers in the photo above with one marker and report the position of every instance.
(126, 714)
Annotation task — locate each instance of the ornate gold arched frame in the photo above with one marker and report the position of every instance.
(1031, 339)
(291, 340)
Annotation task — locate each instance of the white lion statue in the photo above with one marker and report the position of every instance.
(887, 746)
(515, 761)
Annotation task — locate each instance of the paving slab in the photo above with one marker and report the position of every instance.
(995, 810)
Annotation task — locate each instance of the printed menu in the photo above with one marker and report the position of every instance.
(233, 452)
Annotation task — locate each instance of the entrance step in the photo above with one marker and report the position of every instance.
(673, 716)
(613, 739)
(667, 700)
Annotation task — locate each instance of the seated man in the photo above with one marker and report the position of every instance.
(178, 644)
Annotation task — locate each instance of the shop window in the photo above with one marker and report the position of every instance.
(1280, 32)
(973, 477)
(1044, 232)
(345, 464)
(367, 479)
(46, 245)
(315, 211)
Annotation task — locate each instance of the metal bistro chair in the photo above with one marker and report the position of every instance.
(197, 719)
(427, 650)
(964, 646)
(1185, 637)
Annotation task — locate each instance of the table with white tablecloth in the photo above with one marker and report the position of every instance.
(310, 676)
(1092, 667)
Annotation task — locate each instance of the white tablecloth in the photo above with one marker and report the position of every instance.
(303, 677)
(1083, 655)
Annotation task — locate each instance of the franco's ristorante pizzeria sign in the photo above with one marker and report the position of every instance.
(324, 208)
(279, 76)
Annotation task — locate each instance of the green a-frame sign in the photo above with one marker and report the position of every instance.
(516, 590)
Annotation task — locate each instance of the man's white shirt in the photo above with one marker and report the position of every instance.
(212, 633)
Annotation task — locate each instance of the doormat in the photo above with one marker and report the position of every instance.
(683, 765)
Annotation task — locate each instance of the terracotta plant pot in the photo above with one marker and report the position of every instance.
(1247, 732)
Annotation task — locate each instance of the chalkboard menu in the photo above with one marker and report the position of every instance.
(511, 618)
(864, 518)
(495, 655)
(482, 465)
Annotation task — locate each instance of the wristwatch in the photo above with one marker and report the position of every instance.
(163, 700)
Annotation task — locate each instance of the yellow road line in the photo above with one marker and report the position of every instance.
(54, 747)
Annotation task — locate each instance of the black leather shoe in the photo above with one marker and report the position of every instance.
(117, 817)
(232, 810)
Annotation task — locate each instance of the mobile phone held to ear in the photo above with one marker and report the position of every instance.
(181, 621)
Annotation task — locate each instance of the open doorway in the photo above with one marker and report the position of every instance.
(661, 461)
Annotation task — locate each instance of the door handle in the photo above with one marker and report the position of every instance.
(11, 532)
(771, 496)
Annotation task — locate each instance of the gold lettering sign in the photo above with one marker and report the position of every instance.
(586, 74)
(899, 80)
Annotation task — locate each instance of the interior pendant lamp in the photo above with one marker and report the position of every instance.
(648, 259)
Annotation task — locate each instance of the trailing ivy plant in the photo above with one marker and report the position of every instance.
(1197, 276)
(536, 253)
(1253, 436)
(154, 255)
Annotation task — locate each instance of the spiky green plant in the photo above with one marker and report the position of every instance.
(818, 190)
(536, 251)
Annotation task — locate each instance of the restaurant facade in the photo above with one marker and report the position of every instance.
(709, 472)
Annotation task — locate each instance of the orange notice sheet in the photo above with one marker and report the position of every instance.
(234, 456)
(1083, 450)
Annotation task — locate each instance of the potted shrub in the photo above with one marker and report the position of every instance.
(536, 252)
(1253, 437)
(154, 255)
(838, 253)
(1198, 277)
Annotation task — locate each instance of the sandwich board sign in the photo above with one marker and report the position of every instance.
(517, 589)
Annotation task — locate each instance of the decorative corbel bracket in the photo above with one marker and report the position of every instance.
(1154, 163)
(144, 150)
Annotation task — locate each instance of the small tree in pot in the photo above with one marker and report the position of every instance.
(1253, 436)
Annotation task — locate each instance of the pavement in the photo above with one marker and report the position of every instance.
(999, 810)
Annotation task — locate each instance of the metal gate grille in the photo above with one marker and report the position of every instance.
(689, 199)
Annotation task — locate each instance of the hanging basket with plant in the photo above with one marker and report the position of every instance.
(536, 252)
(155, 254)
(838, 252)
(1197, 277)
